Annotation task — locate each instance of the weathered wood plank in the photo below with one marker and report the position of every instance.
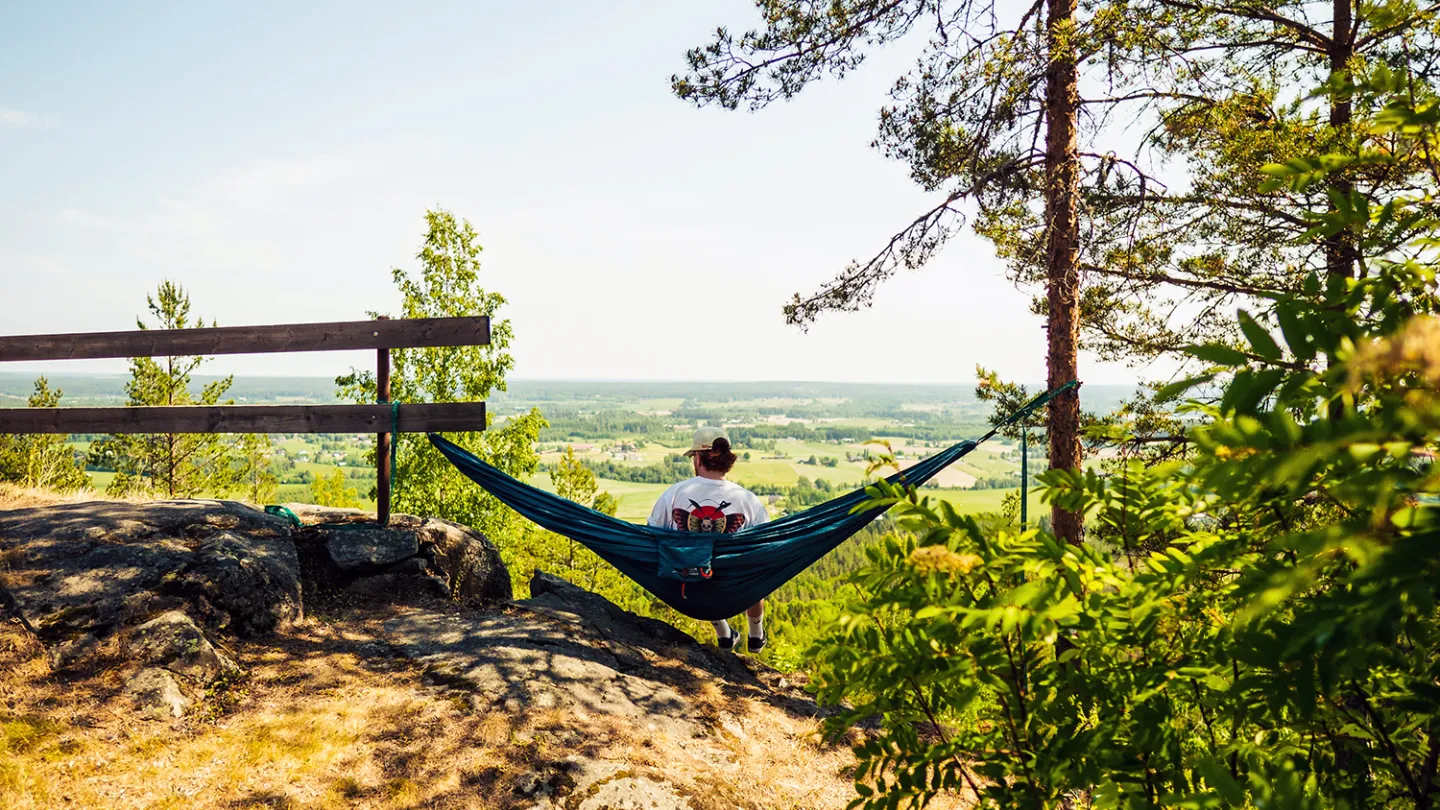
(298, 337)
(416, 418)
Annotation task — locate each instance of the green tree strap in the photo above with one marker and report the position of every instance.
(280, 510)
(394, 444)
(1019, 414)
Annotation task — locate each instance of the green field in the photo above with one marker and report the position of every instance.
(101, 480)
(636, 500)
(970, 501)
(934, 415)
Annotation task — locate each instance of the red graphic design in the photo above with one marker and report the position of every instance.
(707, 518)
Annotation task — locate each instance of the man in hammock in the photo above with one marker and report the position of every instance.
(709, 503)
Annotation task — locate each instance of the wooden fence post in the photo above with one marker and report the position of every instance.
(382, 440)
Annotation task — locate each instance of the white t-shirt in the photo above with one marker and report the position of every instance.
(708, 505)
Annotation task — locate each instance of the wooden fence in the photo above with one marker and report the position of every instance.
(381, 335)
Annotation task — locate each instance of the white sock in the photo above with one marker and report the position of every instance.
(722, 629)
(756, 630)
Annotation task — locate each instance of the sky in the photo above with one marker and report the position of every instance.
(277, 160)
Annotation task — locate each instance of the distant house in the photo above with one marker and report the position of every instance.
(582, 448)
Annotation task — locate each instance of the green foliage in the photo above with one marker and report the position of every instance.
(605, 504)
(1185, 104)
(41, 460)
(424, 482)
(170, 465)
(1008, 398)
(1255, 623)
(256, 479)
(675, 468)
(573, 480)
(563, 556)
(330, 490)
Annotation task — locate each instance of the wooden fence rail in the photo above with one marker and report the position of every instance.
(299, 337)
(382, 335)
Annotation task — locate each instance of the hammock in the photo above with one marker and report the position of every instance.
(748, 565)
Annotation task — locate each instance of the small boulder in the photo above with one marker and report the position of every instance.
(174, 642)
(468, 560)
(246, 584)
(412, 566)
(360, 548)
(157, 693)
(73, 651)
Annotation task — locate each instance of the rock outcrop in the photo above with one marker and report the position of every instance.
(570, 651)
(164, 578)
(438, 686)
(565, 648)
(93, 568)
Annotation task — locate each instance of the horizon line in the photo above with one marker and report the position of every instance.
(629, 380)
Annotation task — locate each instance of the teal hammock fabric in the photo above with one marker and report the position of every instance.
(747, 565)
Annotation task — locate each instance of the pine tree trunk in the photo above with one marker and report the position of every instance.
(1340, 248)
(1062, 250)
(1340, 257)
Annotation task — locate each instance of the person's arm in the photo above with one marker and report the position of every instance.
(660, 514)
(762, 515)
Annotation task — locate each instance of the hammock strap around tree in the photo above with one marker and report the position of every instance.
(747, 565)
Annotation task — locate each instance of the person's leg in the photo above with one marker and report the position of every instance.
(756, 619)
(724, 636)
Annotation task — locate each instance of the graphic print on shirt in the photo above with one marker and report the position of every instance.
(707, 517)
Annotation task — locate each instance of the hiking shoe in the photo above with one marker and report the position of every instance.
(727, 643)
(754, 644)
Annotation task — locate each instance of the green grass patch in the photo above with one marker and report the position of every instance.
(635, 500)
(765, 473)
(21, 734)
(101, 480)
(972, 501)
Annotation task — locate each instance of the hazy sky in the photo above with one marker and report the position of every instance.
(277, 159)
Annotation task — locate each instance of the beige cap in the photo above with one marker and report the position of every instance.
(705, 439)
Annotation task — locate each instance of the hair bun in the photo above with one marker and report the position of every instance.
(720, 445)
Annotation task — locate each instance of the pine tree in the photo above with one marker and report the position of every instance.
(1147, 226)
(425, 483)
(255, 478)
(1225, 92)
(171, 465)
(988, 90)
(41, 460)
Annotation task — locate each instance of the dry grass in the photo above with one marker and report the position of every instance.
(14, 496)
(319, 724)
